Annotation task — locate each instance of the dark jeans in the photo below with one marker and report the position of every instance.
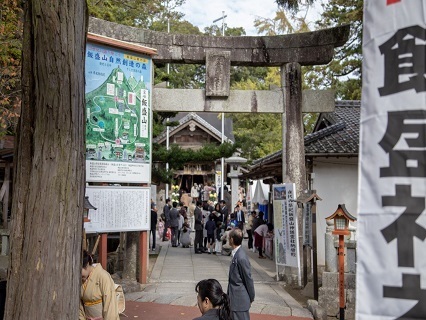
(198, 241)
(174, 235)
(240, 225)
(154, 235)
(250, 239)
(166, 225)
(260, 249)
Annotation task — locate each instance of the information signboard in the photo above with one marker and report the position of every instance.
(286, 225)
(118, 114)
(119, 209)
(307, 224)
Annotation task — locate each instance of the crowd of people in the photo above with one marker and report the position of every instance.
(218, 230)
(98, 290)
(210, 223)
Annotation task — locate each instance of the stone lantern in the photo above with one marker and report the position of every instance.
(234, 163)
(341, 218)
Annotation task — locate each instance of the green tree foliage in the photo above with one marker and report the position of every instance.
(293, 5)
(10, 64)
(343, 73)
(258, 134)
(137, 13)
(215, 30)
(280, 24)
(179, 157)
(285, 23)
(179, 76)
(239, 74)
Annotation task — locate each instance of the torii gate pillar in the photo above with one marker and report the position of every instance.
(293, 152)
(293, 155)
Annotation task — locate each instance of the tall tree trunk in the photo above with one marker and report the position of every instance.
(47, 209)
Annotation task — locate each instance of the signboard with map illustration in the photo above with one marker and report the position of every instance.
(118, 111)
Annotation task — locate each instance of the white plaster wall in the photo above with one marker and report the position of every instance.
(336, 182)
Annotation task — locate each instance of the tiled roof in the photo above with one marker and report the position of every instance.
(337, 132)
(191, 116)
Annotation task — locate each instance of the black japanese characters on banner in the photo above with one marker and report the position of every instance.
(405, 67)
(405, 163)
(405, 228)
(410, 290)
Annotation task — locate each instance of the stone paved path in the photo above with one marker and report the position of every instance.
(178, 270)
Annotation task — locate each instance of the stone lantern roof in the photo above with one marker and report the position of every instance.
(235, 160)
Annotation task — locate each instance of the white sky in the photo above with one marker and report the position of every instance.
(240, 13)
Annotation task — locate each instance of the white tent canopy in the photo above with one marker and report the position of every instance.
(260, 190)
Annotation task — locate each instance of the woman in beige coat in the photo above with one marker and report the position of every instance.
(98, 299)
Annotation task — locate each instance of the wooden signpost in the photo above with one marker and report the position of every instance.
(341, 228)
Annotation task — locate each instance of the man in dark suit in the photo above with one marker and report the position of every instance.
(239, 216)
(240, 282)
(154, 220)
(198, 226)
(166, 216)
(174, 223)
(224, 212)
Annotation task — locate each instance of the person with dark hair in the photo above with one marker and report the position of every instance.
(185, 238)
(249, 229)
(166, 217)
(210, 227)
(198, 226)
(218, 214)
(174, 223)
(262, 231)
(224, 212)
(240, 283)
(182, 217)
(257, 221)
(98, 298)
(154, 220)
(239, 217)
(226, 246)
(212, 301)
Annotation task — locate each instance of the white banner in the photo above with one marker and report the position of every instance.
(286, 226)
(391, 269)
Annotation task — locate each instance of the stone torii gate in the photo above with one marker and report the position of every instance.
(289, 52)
